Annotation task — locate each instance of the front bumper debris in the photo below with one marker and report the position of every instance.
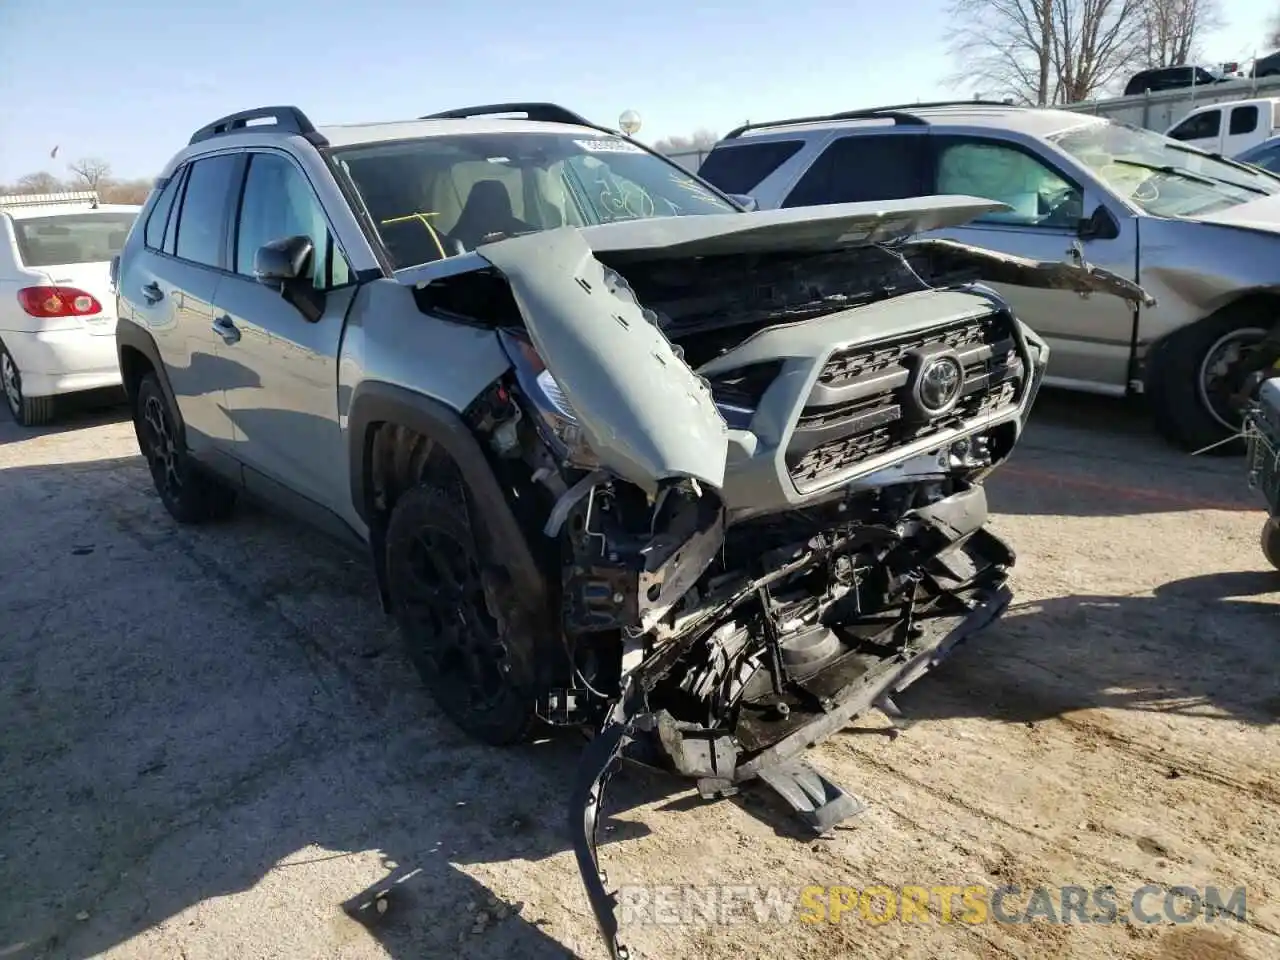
(819, 802)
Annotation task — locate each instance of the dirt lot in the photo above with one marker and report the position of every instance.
(210, 740)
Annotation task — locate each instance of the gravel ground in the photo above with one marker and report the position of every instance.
(210, 741)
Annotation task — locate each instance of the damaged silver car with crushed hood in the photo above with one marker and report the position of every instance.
(625, 456)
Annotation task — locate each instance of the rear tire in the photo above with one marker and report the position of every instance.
(188, 493)
(1188, 387)
(27, 411)
(473, 660)
(1271, 541)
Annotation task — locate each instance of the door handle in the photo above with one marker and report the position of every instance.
(227, 330)
(1076, 254)
(152, 293)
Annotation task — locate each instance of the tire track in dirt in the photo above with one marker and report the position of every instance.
(984, 687)
(949, 798)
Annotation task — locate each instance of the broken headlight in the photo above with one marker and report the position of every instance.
(736, 393)
(555, 415)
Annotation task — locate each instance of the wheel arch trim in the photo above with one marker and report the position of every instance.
(130, 336)
(378, 402)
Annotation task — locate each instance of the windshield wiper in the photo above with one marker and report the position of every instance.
(1221, 159)
(1166, 169)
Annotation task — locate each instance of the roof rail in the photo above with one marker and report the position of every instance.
(1007, 104)
(897, 116)
(900, 113)
(287, 120)
(48, 199)
(545, 112)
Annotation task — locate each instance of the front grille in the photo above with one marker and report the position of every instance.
(862, 407)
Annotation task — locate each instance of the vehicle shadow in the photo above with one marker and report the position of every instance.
(1197, 647)
(187, 715)
(73, 411)
(425, 859)
(1084, 455)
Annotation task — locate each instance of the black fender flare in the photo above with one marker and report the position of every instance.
(130, 335)
(376, 402)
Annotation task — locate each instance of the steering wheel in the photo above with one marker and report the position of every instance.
(1065, 206)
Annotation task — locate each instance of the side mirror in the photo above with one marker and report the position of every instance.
(745, 201)
(280, 261)
(1101, 225)
(286, 265)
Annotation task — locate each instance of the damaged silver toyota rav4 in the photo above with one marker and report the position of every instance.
(626, 455)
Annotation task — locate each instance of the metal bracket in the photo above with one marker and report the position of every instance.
(821, 804)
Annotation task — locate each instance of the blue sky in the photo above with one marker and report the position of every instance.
(129, 80)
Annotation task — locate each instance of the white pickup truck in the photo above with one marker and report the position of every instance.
(1231, 127)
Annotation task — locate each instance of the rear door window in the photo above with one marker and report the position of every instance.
(66, 238)
(1243, 120)
(202, 221)
(742, 167)
(865, 168)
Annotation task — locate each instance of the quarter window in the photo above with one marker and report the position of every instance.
(159, 218)
(1243, 120)
(278, 202)
(1038, 196)
(741, 168)
(202, 221)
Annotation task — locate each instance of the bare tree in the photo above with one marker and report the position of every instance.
(125, 191)
(1273, 32)
(41, 182)
(701, 139)
(91, 171)
(1005, 45)
(1045, 52)
(1096, 42)
(1172, 29)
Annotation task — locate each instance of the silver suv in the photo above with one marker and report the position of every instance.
(622, 454)
(1200, 233)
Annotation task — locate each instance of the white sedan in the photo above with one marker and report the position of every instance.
(57, 308)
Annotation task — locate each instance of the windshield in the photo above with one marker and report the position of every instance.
(440, 196)
(64, 238)
(1162, 176)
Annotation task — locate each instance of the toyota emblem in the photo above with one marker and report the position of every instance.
(938, 384)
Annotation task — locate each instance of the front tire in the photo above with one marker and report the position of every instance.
(190, 495)
(472, 658)
(1191, 380)
(27, 411)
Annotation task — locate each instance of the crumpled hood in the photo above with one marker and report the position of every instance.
(792, 228)
(646, 415)
(1261, 214)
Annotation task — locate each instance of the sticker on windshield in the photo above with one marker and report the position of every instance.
(612, 145)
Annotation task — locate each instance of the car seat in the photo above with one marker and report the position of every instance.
(487, 212)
